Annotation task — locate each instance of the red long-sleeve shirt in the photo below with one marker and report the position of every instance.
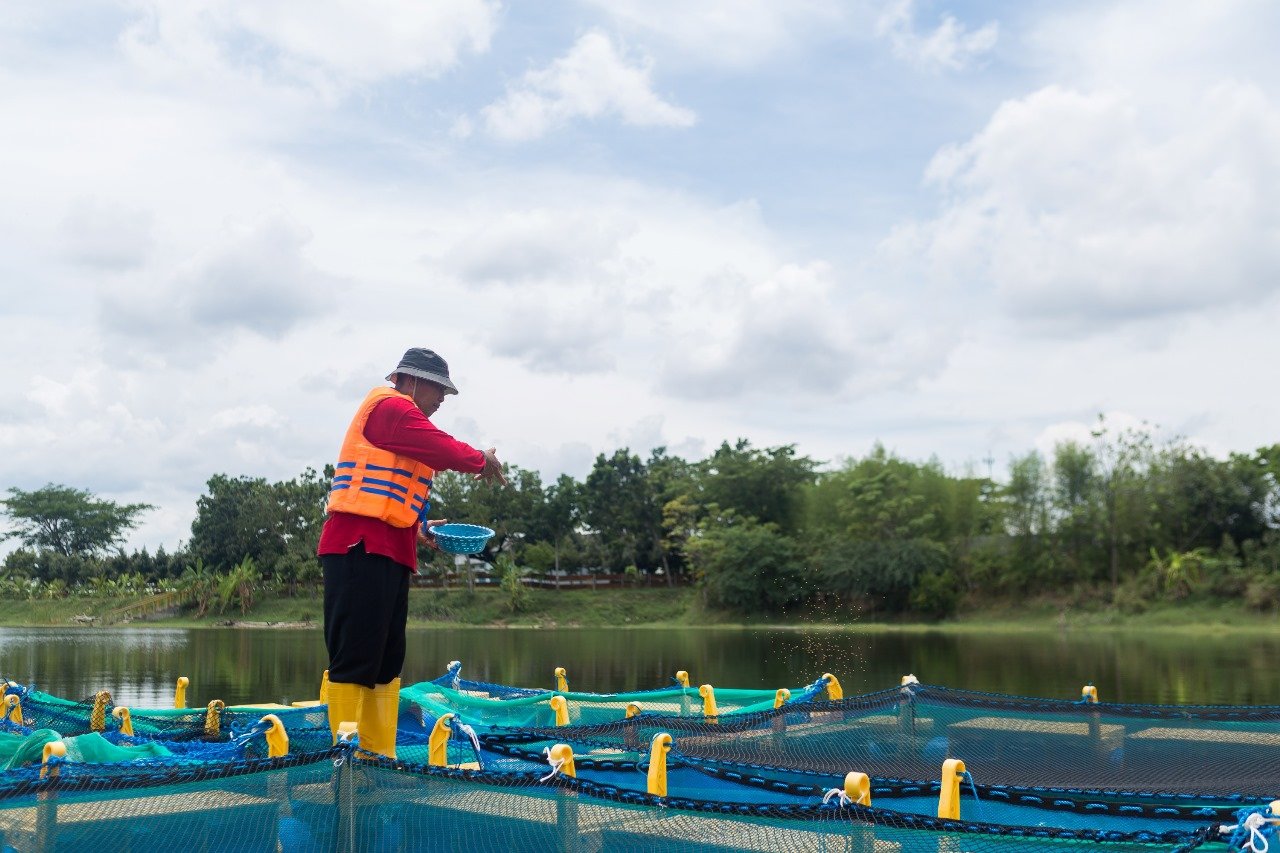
(397, 425)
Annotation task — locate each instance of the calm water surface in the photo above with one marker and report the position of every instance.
(140, 665)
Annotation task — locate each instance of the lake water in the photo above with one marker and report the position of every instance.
(140, 665)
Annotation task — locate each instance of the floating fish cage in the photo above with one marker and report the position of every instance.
(485, 767)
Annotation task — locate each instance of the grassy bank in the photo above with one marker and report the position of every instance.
(658, 608)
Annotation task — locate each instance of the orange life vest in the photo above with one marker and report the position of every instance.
(377, 483)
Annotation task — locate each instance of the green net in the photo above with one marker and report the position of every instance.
(482, 708)
(21, 750)
(37, 709)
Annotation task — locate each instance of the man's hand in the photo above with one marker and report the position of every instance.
(425, 534)
(492, 472)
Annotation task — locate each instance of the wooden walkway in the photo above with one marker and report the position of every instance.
(150, 604)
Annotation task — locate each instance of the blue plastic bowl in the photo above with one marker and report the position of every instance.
(461, 538)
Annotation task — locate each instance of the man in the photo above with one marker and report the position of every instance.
(378, 502)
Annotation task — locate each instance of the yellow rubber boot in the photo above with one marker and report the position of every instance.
(378, 719)
(345, 702)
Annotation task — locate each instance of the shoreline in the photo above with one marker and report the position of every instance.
(661, 609)
(962, 627)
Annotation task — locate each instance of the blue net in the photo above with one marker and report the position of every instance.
(1041, 774)
(337, 800)
(1004, 740)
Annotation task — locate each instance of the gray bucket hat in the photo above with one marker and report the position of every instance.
(425, 364)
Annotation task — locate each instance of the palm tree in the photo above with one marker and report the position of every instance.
(238, 585)
(200, 583)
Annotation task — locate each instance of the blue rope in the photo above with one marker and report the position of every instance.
(974, 788)
(1250, 828)
(258, 728)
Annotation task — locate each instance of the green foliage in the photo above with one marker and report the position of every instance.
(511, 511)
(541, 557)
(248, 517)
(746, 566)
(884, 498)
(766, 485)
(556, 519)
(883, 572)
(935, 595)
(201, 584)
(67, 521)
(512, 583)
(1115, 519)
(238, 586)
(620, 505)
(1263, 593)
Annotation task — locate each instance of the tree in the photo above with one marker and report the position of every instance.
(559, 514)
(619, 505)
(886, 571)
(764, 484)
(1123, 460)
(746, 566)
(243, 517)
(238, 585)
(512, 583)
(68, 521)
(882, 498)
(1196, 500)
(1076, 483)
(201, 585)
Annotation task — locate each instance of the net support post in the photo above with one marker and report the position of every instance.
(121, 713)
(13, 705)
(46, 821)
(709, 709)
(953, 771)
(438, 743)
(779, 721)
(657, 777)
(344, 797)
(560, 706)
(631, 734)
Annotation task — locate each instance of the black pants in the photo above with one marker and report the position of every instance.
(366, 605)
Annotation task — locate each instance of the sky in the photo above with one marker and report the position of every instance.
(960, 229)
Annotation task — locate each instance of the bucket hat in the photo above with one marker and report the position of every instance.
(425, 364)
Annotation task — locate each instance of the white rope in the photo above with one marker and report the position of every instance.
(457, 673)
(1257, 842)
(556, 764)
(842, 799)
(463, 728)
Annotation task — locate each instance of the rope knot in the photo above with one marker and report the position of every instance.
(556, 764)
(1252, 833)
(842, 799)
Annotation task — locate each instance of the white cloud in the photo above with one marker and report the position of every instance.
(1088, 209)
(108, 237)
(330, 46)
(950, 45)
(592, 80)
(253, 278)
(224, 227)
(799, 331)
(732, 33)
(556, 246)
(1084, 433)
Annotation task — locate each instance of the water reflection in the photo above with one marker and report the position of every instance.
(140, 665)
